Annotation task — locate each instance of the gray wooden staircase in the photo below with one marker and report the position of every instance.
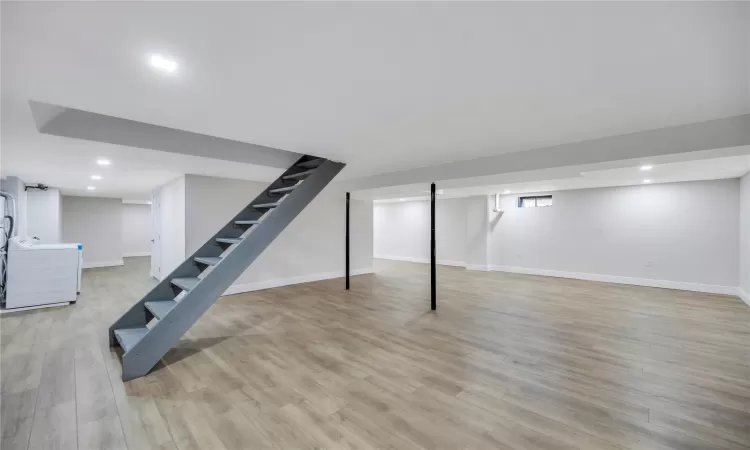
(157, 322)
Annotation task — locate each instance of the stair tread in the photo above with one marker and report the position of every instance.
(284, 189)
(160, 308)
(312, 163)
(199, 293)
(185, 283)
(208, 260)
(128, 337)
(229, 240)
(297, 175)
(267, 205)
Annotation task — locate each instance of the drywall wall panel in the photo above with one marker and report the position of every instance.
(136, 230)
(745, 238)
(402, 230)
(44, 215)
(679, 232)
(96, 223)
(311, 248)
(476, 238)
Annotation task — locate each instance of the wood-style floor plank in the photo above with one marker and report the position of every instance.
(507, 362)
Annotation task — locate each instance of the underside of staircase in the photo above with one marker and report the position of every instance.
(156, 323)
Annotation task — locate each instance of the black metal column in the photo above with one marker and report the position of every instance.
(347, 240)
(433, 278)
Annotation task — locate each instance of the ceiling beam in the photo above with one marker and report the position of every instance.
(75, 123)
(696, 138)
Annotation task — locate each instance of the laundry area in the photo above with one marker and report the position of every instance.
(35, 274)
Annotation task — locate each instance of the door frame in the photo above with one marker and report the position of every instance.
(156, 249)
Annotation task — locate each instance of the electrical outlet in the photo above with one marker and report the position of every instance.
(649, 264)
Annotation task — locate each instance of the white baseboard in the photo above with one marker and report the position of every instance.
(477, 267)
(448, 262)
(680, 285)
(95, 264)
(268, 284)
(131, 255)
(744, 296)
(402, 258)
(442, 262)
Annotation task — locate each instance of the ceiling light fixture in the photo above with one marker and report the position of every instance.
(103, 162)
(402, 199)
(90, 188)
(507, 191)
(646, 181)
(96, 177)
(646, 168)
(162, 63)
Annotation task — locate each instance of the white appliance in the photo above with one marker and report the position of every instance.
(42, 274)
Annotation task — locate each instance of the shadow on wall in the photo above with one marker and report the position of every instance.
(495, 220)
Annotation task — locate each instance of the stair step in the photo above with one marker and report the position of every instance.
(283, 190)
(266, 205)
(185, 283)
(128, 337)
(195, 294)
(312, 163)
(229, 240)
(208, 260)
(298, 175)
(160, 308)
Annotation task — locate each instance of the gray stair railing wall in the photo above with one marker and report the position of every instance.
(172, 326)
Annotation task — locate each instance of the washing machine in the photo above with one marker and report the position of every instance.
(42, 274)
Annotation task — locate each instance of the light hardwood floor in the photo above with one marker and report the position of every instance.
(507, 362)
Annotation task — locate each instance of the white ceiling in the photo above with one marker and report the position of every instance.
(381, 86)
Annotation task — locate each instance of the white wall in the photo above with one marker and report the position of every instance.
(745, 238)
(44, 215)
(136, 230)
(97, 224)
(401, 231)
(477, 236)
(678, 232)
(171, 220)
(311, 248)
(681, 235)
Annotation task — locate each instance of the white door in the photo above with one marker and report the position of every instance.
(156, 236)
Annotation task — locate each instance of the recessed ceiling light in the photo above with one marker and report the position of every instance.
(507, 191)
(645, 168)
(402, 199)
(162, 63)
(96, 177)
(90, 188)
(103, 162)
(148, 203)
(646, 181)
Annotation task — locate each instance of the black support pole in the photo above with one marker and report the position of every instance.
(347, 241)
(433, 278)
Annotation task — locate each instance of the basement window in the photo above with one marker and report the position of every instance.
(535, 201)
